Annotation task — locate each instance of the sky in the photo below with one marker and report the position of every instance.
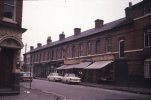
(43, 18)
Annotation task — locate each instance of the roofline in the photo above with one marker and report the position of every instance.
(63, 41)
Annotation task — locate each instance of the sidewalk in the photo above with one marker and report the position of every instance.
(120, 88)
(30, 94)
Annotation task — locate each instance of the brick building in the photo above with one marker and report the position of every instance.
(116, 52)
(10, 44)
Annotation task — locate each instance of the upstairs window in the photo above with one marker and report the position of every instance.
(147, 38)
(121, 48)
(73, 51)
(147, 8)
(98, 47)
(108, 45)
(80, 49)
(9, 9)
(89, 47)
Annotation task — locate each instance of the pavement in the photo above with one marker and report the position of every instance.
(30, 94)
(137, 90)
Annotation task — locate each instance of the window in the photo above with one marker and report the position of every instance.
(80, 49)
(97, 47)
(39, 57)
(73, 51)
(121, 48)
(9, 9)
(52, 55)
(108, 45)
(147, 38)
(62, 53)
(147, 68)
(147, 8)
(48, 55)
(43, 56)
(88, 47)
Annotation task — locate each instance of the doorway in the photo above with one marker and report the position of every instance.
(6, 66)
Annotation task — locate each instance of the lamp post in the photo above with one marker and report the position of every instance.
(30, 71)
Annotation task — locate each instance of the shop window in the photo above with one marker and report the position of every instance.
(147, 8)
(108, 45)
(147, 68)
(147, 38)
(9, 9)
(121, 48)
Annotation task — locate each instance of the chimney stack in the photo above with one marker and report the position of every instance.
(31, 48)
(49, 40)
(98, 23)
(77, 31)
(62, 36)
(130, 4)
(39, 45)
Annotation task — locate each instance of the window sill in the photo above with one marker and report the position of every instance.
(9, 20)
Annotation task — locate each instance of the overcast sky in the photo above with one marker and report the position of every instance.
(45, 18)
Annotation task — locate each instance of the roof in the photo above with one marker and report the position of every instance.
(105, 27)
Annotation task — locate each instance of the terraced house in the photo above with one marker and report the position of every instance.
(10, 45)
(115, 52)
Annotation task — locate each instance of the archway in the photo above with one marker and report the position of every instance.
(9, 49)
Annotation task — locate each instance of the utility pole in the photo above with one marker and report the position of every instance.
(25, 65)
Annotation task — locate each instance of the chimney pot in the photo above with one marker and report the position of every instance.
(98, 23)
(31, 48)
(77, 31)
(62, 36)
(130, 4)
(49, 40)
(39, 45)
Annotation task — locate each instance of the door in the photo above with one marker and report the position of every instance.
(6, 65)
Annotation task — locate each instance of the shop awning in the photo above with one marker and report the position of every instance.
(66, 67)
(61, 67)
(76, 66)
(70, 66)
(82, 65)
(98, 64)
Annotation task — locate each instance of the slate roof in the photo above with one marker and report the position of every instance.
(105, 27)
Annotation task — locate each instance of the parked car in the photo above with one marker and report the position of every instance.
(54, 77)
(26, 76)
(71, 78)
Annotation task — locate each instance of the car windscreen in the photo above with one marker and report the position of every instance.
(72, 75)
(55, 74)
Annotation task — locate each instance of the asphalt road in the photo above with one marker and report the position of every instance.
(78, 92)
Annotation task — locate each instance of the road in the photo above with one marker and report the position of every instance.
(78, 92)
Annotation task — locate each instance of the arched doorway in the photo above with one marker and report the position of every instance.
(10, 47)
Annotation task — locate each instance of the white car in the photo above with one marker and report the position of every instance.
(54, 77)
(71, 78)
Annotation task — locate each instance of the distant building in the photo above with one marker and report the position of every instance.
(116, 52)
(10, 45)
